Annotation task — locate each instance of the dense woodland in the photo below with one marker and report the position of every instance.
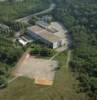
(80, 17)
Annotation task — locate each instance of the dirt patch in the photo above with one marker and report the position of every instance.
(41, 70)
(20, 62)
(43, 82)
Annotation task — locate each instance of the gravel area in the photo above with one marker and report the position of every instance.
(37, 69)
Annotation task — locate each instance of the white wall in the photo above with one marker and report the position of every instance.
(63, 42)
(55, 45)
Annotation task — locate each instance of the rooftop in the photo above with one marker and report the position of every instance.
(44, 33)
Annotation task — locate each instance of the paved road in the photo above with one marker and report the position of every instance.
(27, 18)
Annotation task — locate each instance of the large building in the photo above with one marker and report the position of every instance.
(48, 35)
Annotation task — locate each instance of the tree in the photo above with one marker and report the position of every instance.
(3, 81)
(33, 20)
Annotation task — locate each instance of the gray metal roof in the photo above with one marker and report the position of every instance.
(47, 35)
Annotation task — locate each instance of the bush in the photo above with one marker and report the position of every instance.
(41, 51)
(33, 20)
(3, 81)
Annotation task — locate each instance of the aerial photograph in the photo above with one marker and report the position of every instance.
(48, 49)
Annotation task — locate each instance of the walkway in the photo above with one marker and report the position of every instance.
(68, 58)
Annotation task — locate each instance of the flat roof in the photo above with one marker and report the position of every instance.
(44, 33)
(35, 28)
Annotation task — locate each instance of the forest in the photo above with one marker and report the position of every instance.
(80, 17)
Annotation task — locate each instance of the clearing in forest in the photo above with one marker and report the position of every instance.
(41, 70)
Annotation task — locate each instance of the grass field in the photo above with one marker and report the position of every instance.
(64, 88)
(12, 11)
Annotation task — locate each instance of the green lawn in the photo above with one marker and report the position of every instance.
(12, 11)
(63, 89)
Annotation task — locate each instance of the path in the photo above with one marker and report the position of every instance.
(54, 56)
(27, 18)
(68, 58)
(12, 79)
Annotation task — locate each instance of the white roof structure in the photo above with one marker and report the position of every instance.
(21, 41)
(24, 40)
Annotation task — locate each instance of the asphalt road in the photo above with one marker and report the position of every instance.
(27, 18)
